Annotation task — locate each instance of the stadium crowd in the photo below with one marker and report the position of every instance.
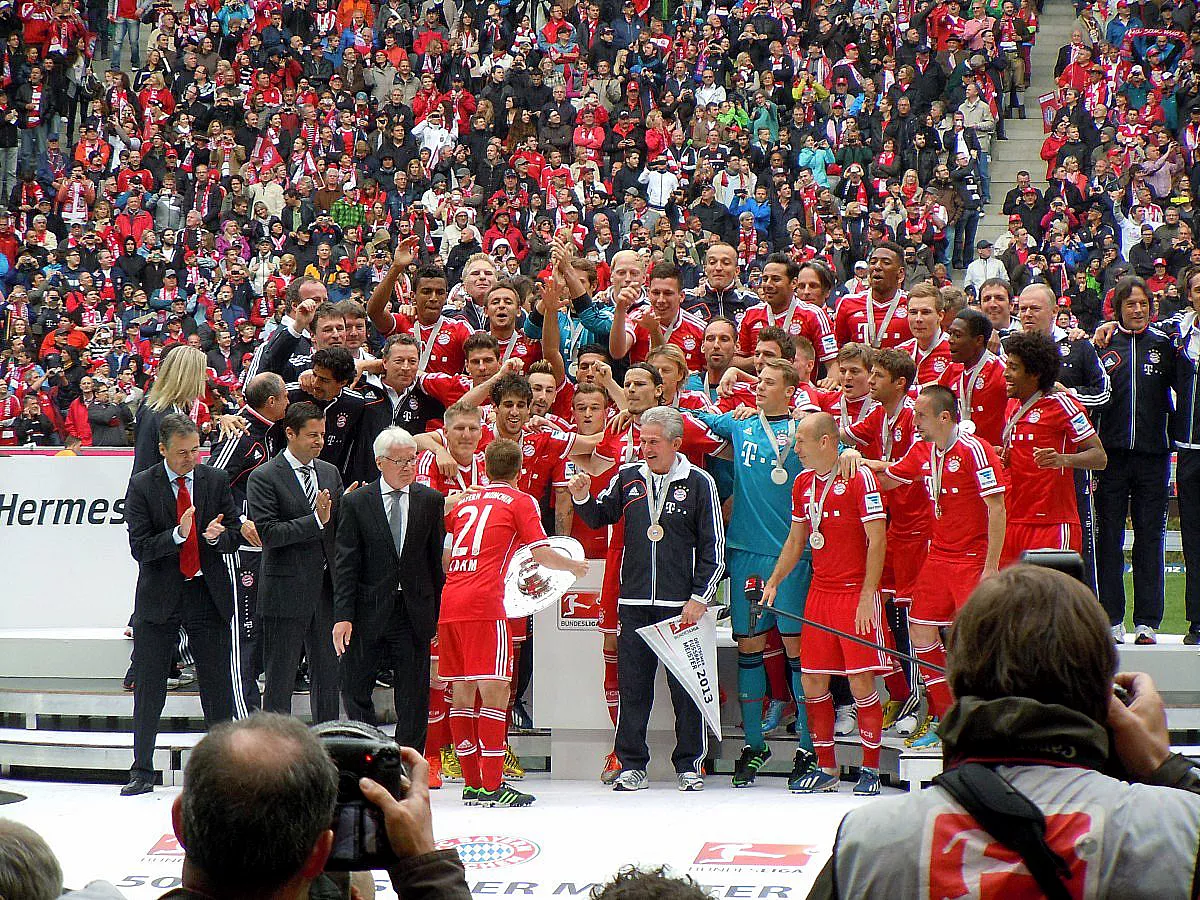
(485, 220)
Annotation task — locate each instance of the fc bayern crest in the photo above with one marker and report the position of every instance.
(953, 464)
(491, 851)
(689, 344)
(680, 494)
(342, 419)
(528, 450)
(979, 383)
(839, 487)
(1154, 356)
(1064, 349)
(443, 339)
(247, 579)
(1035, 416)
(939, 365)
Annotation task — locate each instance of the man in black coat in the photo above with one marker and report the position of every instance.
(182, 581)
(388, 582)
(293, 500)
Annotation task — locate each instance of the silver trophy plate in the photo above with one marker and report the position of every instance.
(529, 587)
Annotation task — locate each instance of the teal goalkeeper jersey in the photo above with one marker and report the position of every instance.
(762, 509)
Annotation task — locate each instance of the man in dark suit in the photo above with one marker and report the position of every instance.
(182, 581)
(388, 583)
(293, 501)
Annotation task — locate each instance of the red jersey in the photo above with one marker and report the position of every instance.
(885, 326)
(800, 318)
(594, 540)
(543, 456)
(692, 400)
(686, 333)
(620, 447)
(889, 438)
(931, 363)
(848, 412)
(982, 395)
(429, 475)
(518, 346)
(1040, 496)
(485, 530)
(445, 389)
(958, 480)
(441, 343)
(839, 507)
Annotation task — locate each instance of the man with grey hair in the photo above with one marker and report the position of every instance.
(388, 579)
(674, 557)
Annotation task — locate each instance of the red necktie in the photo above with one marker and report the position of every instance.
(189, 551)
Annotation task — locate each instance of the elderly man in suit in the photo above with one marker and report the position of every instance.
(294, 500)
(182, 581)
(388, 582)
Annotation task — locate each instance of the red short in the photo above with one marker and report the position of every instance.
(475, 651)
(433, 649)
(822, 653)
(518, 629)
(1021, 536)
(942, 588)
(611, 588)
(905, 556)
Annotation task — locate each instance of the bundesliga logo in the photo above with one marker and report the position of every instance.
(491, 851)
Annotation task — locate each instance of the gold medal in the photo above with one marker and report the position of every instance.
(655, 533)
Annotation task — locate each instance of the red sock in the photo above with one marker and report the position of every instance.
(775, 662)
(870, 724)
(437, 734)
(896, 684)
(493, 737)
(612, 696)
(820, 724)
(937, 691)
(463, 730)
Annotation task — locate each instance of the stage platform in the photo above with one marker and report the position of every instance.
(760, 842)
(79, 721)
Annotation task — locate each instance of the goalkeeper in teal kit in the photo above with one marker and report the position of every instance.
(764, 466)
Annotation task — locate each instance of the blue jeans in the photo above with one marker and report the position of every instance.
(127, 30)
(33, 145)
(962, 239)
(8, 172)
(984, 162)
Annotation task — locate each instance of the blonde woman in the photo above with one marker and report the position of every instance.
(179, 386)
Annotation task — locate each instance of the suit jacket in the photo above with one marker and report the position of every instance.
(296, 550)
(151, 520)
(367, 569)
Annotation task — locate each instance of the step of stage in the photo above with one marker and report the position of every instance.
(30, 752)
(64, 653)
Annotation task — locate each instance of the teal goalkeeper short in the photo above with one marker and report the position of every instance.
(789, 598)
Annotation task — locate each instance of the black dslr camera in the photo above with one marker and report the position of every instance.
(360, 840)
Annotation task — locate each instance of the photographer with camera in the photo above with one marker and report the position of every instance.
(255, 812)
(1043, 765)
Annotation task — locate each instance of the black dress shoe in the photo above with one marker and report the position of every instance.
(137, 785)
(520, 716)
(1192, 638)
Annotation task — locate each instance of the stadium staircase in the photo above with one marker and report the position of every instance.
(1024, 144)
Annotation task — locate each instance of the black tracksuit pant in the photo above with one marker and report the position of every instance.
(637, 666)
(1133, 484)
